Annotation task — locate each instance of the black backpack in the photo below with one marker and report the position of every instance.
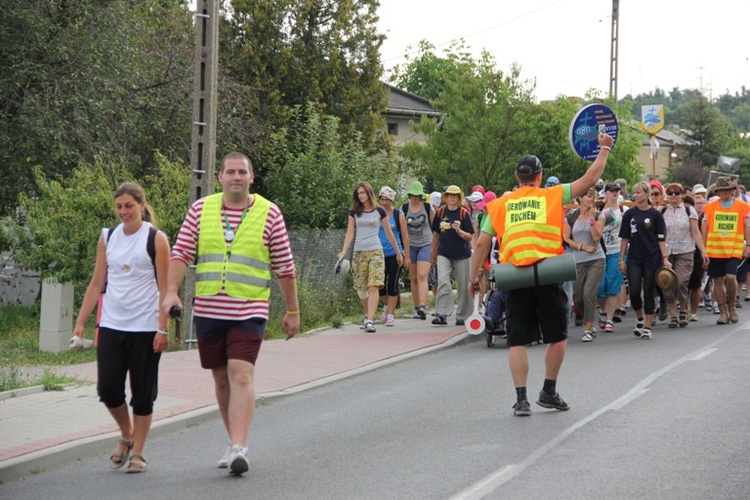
(150, 244)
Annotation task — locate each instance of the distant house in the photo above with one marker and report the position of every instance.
(405, 108)
(670, 144)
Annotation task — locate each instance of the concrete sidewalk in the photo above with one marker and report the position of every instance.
(40, 429)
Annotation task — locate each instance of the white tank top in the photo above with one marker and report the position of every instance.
(131, 303)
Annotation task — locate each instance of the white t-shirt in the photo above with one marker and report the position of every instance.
(131, 303)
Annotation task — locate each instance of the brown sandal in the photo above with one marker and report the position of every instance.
(137, 467)
(128, 443)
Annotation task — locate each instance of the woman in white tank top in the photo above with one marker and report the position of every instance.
(133, 330)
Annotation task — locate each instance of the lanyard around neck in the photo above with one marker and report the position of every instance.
(229, 234)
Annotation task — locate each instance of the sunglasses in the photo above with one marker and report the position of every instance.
(674, 193)
(656, 193)
(383, 198)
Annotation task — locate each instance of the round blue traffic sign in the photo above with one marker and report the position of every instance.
(586, 126)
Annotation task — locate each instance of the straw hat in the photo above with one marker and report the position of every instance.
(666, 278)
(454, 190)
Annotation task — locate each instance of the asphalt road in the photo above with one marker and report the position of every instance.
(663, 418)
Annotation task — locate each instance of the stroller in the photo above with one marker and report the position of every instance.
(494, 301)
(494, 306)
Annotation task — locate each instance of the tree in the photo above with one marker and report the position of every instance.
(87, 78)
(706, 128)
(490, 120)
(292, 52)
(82, 205)
(324, 166)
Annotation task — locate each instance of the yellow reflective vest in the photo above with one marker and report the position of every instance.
(243, 267)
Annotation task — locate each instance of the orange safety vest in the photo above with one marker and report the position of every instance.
(726, 229)
(529, 222)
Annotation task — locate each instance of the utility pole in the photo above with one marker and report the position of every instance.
(613, 50)
(203, 135)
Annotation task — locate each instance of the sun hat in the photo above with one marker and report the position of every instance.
(723, 182)
(453, 189)
(416, 189)
(552, 181)
(476, 196)
(342, 266)
(488, 197)
(387, 192)
(699, 189)
(666, 278)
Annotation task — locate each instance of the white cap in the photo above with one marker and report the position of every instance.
(699, 189)
(475, 196)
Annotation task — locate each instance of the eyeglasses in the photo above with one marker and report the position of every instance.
(674, 193)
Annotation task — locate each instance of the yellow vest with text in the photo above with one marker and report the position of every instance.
(529, 222)
(243, 272)
(726, 229)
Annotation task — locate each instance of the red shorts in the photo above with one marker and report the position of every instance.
(220, 341)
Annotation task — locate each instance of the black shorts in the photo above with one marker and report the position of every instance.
(718, 268)
(534, 311)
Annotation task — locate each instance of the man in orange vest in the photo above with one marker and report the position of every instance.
(726, 237)
(528, 223)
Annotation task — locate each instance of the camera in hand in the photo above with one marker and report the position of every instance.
(175, 312)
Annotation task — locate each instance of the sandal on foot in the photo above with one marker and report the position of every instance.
(128, 443)
(683, 319)
(137, 467)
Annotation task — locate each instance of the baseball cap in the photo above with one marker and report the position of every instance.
(528, 165)
(478, 188)
(552, 181)
(612, 186)
(342, 266)
(435, 198)
(475, 196)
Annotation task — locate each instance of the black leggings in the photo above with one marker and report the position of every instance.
(637, 276)
(119, 353)
(392, 272)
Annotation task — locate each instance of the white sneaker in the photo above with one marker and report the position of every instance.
(646, 333)
(223, 462)
(238, 462)
(384, 316)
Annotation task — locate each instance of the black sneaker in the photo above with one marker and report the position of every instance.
(421, 312)
(439, 320)
(460, 322)
(522, 409)
(555, 402)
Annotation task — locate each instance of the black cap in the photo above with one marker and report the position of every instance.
(528, 165)
(612, 186)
